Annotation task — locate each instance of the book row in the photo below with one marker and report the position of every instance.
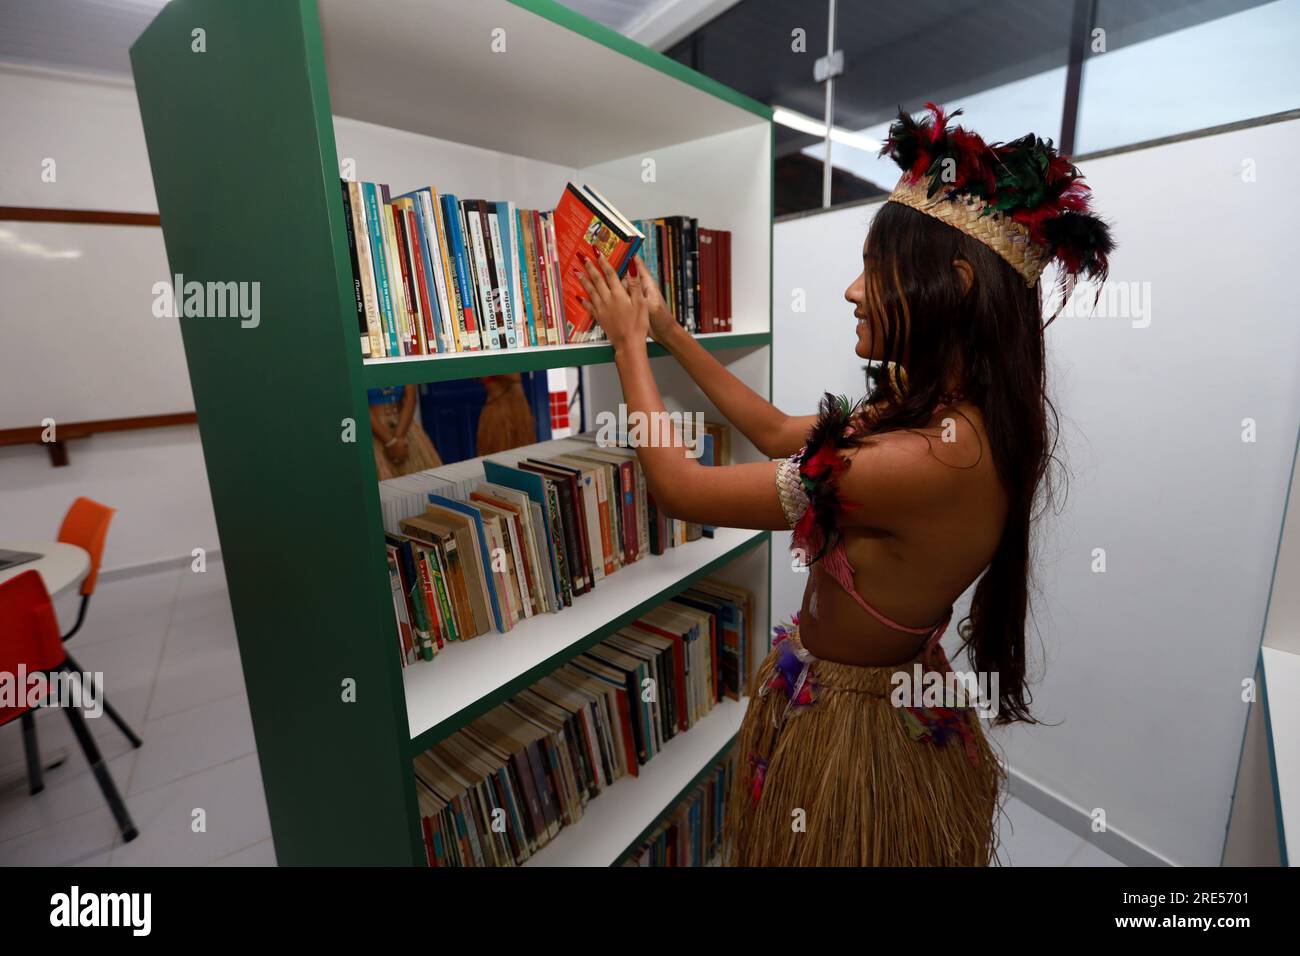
(692, 266)
(485, 544)
(433, 273)
(501, 788)
(691, 833)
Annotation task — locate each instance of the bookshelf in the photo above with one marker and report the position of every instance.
(246, 141)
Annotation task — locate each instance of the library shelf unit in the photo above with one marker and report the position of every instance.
(495, 99)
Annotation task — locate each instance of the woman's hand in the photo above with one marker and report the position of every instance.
(397, 451)
(621, 310)
(662, 323)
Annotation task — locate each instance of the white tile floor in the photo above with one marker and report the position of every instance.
(166, 645)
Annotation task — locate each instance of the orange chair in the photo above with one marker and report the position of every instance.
(86, 526)
(30, 644)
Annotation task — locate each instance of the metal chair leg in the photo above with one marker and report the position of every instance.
(112, 712)
(102, 776)
(35, 778)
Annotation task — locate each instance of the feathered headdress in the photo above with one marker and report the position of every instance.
(1022, 199)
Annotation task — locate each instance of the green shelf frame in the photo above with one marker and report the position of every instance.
(245, 168)
(415, 370)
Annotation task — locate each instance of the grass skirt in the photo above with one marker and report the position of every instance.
(832, 773)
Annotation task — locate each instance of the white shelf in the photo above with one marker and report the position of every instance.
(429, 66)
(576, 353)
(618, 816)
(465, 673)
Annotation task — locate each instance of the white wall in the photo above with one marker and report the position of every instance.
(155, 479)
(1144, 663)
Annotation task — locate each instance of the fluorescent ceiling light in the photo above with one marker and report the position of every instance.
(815, 127)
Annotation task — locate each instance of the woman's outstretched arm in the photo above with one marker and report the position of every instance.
(772, 431)
(896, 478)
(737, 496)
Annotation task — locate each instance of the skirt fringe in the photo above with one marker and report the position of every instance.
(840, 781)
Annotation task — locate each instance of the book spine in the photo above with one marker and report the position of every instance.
(405, 638)
(506, 586)
(358, 295)
(460, 589)
(511, 237)
(427, 597)
(726, 280)
(453, 318)
(438, 268)
(416, 307)
(557, 296)
(424, 273)
(627, 492)
(691, 234)
(364, 258)
(557, 543)
(543, 279)
(401, 233)
(679, 271)
(524, 253)
(440, 587)
(413, 595)
(375, 224)
(467, 326)
(606, 515)
(499, 269)
(482, 282)
(393, 255)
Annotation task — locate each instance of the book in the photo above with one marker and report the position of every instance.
(585, 222)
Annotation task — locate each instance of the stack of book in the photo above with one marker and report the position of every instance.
(505, 785)
(485, 544)
(692, 266)
(691, 834)
(435, 273)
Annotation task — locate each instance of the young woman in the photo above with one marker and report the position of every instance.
(898, 504)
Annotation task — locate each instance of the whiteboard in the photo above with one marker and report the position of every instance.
(78, 338)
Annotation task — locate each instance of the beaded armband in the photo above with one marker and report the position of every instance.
(806, 481)
(789, 488)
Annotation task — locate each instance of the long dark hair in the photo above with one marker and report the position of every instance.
(989, 339)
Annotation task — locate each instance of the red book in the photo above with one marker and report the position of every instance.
(585, 221)
(421, 280)
(708, 280)
(725, 280)
(629, 741)
(412, 302)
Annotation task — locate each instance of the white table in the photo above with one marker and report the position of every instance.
(63, 567)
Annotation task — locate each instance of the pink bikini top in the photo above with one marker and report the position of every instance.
(806, 486)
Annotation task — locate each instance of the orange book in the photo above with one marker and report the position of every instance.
(584, 220)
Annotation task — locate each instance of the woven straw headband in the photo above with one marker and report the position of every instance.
(1002, 234)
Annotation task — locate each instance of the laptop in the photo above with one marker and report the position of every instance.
(10, 559)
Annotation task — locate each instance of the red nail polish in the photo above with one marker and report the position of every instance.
(632, 268)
